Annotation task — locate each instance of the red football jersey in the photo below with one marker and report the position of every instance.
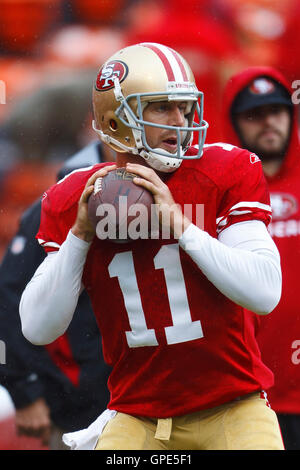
(176, 344)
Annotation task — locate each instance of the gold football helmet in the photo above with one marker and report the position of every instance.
(127, 82)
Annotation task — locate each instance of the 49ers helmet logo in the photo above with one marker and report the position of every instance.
(105, 77)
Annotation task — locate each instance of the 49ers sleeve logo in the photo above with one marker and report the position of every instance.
(254, 158)
(105, 77)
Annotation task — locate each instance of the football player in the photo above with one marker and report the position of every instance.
(260, 115)
(186, 368)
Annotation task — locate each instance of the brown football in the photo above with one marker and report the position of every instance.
(119, 209)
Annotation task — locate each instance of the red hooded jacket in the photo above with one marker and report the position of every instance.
(279, 332)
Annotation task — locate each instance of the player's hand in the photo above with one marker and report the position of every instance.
(34, 421)
(170, 213)
(83, 227)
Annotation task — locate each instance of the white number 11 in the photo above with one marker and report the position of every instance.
(183, 328)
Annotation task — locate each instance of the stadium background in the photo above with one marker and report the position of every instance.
(49, 53)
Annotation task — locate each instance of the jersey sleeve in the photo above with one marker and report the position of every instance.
(53, 228)
(59, 208)
(246, 194)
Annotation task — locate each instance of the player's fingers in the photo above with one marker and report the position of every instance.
(99, 173)
(145, 172)
(146, 184)
(86, 194)
(91, 181)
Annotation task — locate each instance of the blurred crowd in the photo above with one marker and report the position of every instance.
(51, 49)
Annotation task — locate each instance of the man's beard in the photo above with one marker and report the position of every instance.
(267, 155)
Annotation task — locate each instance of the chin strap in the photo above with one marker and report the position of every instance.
(165, 164)
(161, 163)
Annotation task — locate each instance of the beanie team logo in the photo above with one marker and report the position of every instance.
(262, 86)
(105, 77)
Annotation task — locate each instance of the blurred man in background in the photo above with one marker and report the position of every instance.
(63, 385)
(259, 115)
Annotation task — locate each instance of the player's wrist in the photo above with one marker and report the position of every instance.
(82, 234)
(180, 224)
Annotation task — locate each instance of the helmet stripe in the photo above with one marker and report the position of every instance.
(171, 61)
(164, 60)
(181, 66)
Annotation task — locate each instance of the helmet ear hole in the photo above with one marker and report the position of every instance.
(113, 125)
